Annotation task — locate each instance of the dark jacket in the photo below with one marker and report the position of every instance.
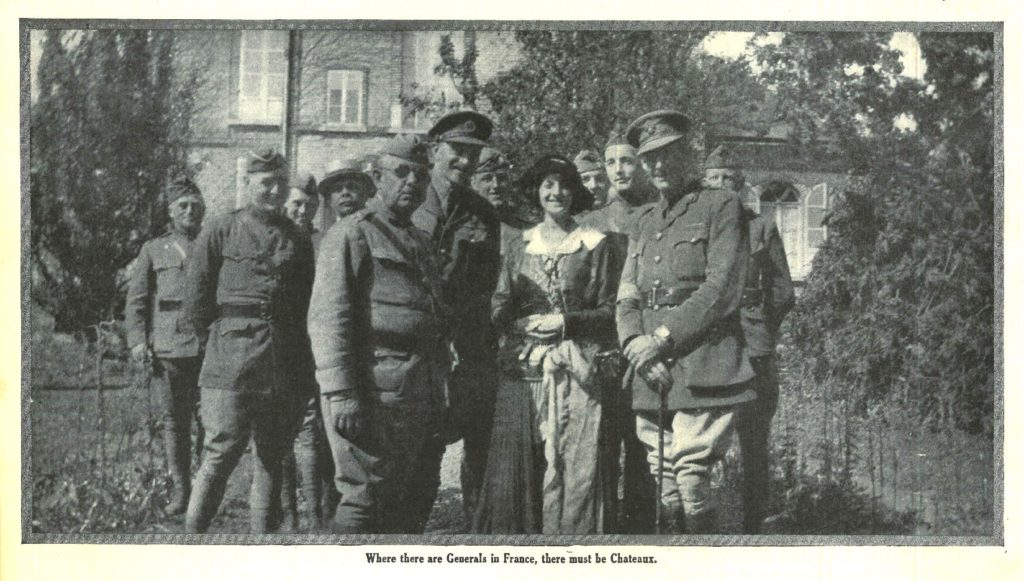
(768, 295)
(153, 307)
(248, 287)
(375, 318)
(467, 242)
(586, 282)
(695, 254)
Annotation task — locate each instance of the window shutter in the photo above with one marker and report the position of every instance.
(239, 182)
(815, 208)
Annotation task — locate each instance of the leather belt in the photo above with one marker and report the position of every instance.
(246, 311)
(665, 297)
(169, 305)
(402, 342)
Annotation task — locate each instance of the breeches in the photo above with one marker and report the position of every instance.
(693, 441)
(231, 418)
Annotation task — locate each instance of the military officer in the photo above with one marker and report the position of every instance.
(152, 317)
(380, 352)
(767, 297)
(678, 319)
(466, 234)
(248, 289)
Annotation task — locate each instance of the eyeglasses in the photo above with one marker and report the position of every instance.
(402, 171)
(187, 205)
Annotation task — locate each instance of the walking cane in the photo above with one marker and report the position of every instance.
(662, 412)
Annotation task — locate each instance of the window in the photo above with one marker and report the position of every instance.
(816, 206)
(345, 90)
(263, 75)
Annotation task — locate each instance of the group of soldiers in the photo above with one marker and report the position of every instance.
(351, 358)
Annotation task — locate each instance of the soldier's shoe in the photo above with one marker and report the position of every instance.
(179, 501)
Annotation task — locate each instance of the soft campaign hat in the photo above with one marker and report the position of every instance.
(179, 188)
(492, 160)
(588, 160)
(656, 130)
(342, 170)
(462, 127)
(264, 160)
(722, 158)
(410, 149)
(582, 199)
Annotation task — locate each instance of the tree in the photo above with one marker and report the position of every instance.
(898, 308)
(107, 133)
(573, 88)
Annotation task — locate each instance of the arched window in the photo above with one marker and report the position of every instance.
(779, 191)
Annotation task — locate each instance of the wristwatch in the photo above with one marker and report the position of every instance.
(664, 337)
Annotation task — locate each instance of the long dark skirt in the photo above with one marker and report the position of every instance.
(522, 492)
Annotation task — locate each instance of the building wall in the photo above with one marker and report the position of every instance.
(393, 62)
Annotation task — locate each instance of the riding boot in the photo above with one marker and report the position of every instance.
(289, 497)
(702, 523)
(178, 458)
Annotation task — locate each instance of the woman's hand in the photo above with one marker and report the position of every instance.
(545, 326)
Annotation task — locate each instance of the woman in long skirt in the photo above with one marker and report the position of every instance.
(555, 306)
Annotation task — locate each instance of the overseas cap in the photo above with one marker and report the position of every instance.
(656, 130)
(462, 127)
(588, 160)
(264, 160)
(492, 160)
(722, 158)
(342, 170)
(305, 182)
(179, 188)
(410, 149)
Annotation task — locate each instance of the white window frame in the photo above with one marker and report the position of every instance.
(341, 80)
(265, 107)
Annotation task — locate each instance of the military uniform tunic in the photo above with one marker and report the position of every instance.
(378, 337)
(256, 268)
(155, 296)
(684, 269)
(768, 295)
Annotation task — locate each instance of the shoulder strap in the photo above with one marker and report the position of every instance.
(374, 221)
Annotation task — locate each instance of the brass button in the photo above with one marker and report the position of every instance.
(658, 236)
(657, 259)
